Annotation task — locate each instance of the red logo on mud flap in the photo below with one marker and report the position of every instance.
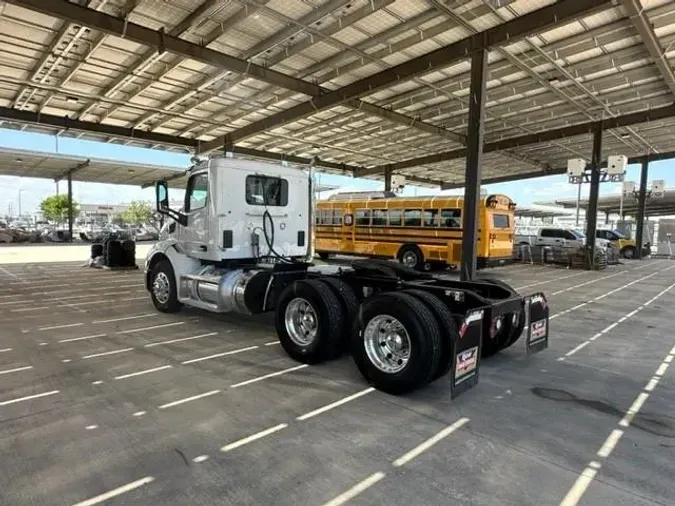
(538, 330)
(468, 320)
(467, 362)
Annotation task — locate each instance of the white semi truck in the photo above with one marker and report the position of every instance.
(243, 243)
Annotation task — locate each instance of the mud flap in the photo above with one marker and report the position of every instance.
(467, 351)
(536, 314)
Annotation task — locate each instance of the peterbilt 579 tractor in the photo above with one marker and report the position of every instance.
(243, 243)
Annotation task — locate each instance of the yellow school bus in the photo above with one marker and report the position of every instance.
(418, 231)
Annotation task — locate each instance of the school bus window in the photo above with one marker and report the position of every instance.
(363, 217)
(430, 217)
(500, 221)
(395, 217)
(337, 217)
(379, 217)
(326, 216)
(412, 218)
(451, 218)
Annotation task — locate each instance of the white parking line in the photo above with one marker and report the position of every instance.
(218, 355)
(106, 301)
(14, 302)
(189, 399)
(16, 369)
(578, 489)
(589, 282)
(271, 375)
(106, 353)
(26, 309)
(550, 281)
(28, 398)
(335, 404)
(145, 315)
(5, 350)
(98, 289)
(623, 287)
(610, 443)
(54, 327)
(180, 340)
(72, 339)
(253, 437)
(141, 373)
(11, 275)
(116, 492)
(429, 443)
(142, 329)
(357, 489)
(613, 325)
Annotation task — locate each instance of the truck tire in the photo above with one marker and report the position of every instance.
(324, 256)
(629, 252)
(513, 323)
(96, 250)
(163, 289)
(446, 326)
(397, 343)
(411, 256)
(309, 322)
(349, 305)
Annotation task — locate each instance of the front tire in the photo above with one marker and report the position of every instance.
(629, 253)
(163, 290)
(397, 343)
(411, 256)
(309, 322)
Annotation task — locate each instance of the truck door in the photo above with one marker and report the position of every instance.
(195, 235)
(570, 240)
(549, 237)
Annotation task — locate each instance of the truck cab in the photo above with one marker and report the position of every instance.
(239, 210)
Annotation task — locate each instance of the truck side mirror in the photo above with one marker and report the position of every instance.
(162, 203)
(162, 196)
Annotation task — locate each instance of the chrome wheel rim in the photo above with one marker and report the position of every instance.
(409, 259)
(628, 253)
(161, 288)
(387, 344)
(302, 322)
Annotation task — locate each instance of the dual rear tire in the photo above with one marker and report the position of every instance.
(398, 340)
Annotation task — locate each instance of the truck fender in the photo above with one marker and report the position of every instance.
(181, 263)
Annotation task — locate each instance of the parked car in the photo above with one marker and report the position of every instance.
(627, 247)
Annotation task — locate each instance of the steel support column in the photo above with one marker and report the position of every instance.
(387, 179)
(642, 207)
(592, 210)
(474, 155)
(70, 206)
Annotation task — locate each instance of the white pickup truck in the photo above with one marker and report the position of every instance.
(553, 236)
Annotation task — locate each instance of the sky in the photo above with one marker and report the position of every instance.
(32, 191)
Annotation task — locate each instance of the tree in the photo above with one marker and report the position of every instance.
(55, 208)
(138, 213)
